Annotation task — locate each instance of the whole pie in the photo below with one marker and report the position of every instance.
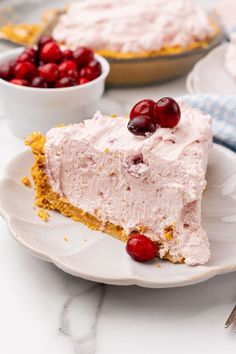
(140, 28)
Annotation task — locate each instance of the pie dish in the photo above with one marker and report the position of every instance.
(98, 173)
(145, 42)
(95, 256)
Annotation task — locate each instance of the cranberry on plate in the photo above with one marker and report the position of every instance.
(141, 248)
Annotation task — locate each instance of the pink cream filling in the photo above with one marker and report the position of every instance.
(100, 167)
(133, 26)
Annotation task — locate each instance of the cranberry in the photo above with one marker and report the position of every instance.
(67, 54)
(83, 55)
(65, 82)
(6, 72)
(49, 72)
(39, 82)
(91, 71)
(141, 125)
(143, 108)
(141, 248)
(44, 40)
(167, 112)
(25, 70)
(19, 82)
(50, 53)
(82, 80)
(68, 68)
(28, 54)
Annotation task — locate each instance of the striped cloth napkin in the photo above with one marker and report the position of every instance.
(223, 111)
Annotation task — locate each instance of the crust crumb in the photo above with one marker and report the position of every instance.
(114, 115)
(25, 180)
(168, 232)
(44, 215)
(66, 238)
(36, 141)
(142, 229)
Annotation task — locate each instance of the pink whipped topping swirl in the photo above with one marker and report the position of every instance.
(230, 56)
(100, 167)
(133, 25)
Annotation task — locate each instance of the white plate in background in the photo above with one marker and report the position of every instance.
(209, 75)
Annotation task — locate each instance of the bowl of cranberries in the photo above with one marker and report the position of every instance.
(46, 85)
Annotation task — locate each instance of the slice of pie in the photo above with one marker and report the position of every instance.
(100, 174)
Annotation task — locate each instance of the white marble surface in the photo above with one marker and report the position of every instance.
(44, 310)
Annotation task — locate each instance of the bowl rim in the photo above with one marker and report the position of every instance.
(10, 53)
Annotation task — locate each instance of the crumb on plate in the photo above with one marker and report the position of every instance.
(43, 214)
(25, 180)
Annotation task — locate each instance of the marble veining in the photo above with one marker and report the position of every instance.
(65, 315)
(45, 311)
(85, 343)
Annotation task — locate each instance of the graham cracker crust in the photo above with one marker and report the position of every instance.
(165, 50)
(47, 199)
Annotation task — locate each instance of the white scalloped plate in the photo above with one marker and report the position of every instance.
(95, 256)
(209, 75)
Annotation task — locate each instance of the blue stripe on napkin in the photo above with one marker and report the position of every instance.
(223, 111)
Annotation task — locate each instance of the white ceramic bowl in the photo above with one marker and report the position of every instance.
(28, 109)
